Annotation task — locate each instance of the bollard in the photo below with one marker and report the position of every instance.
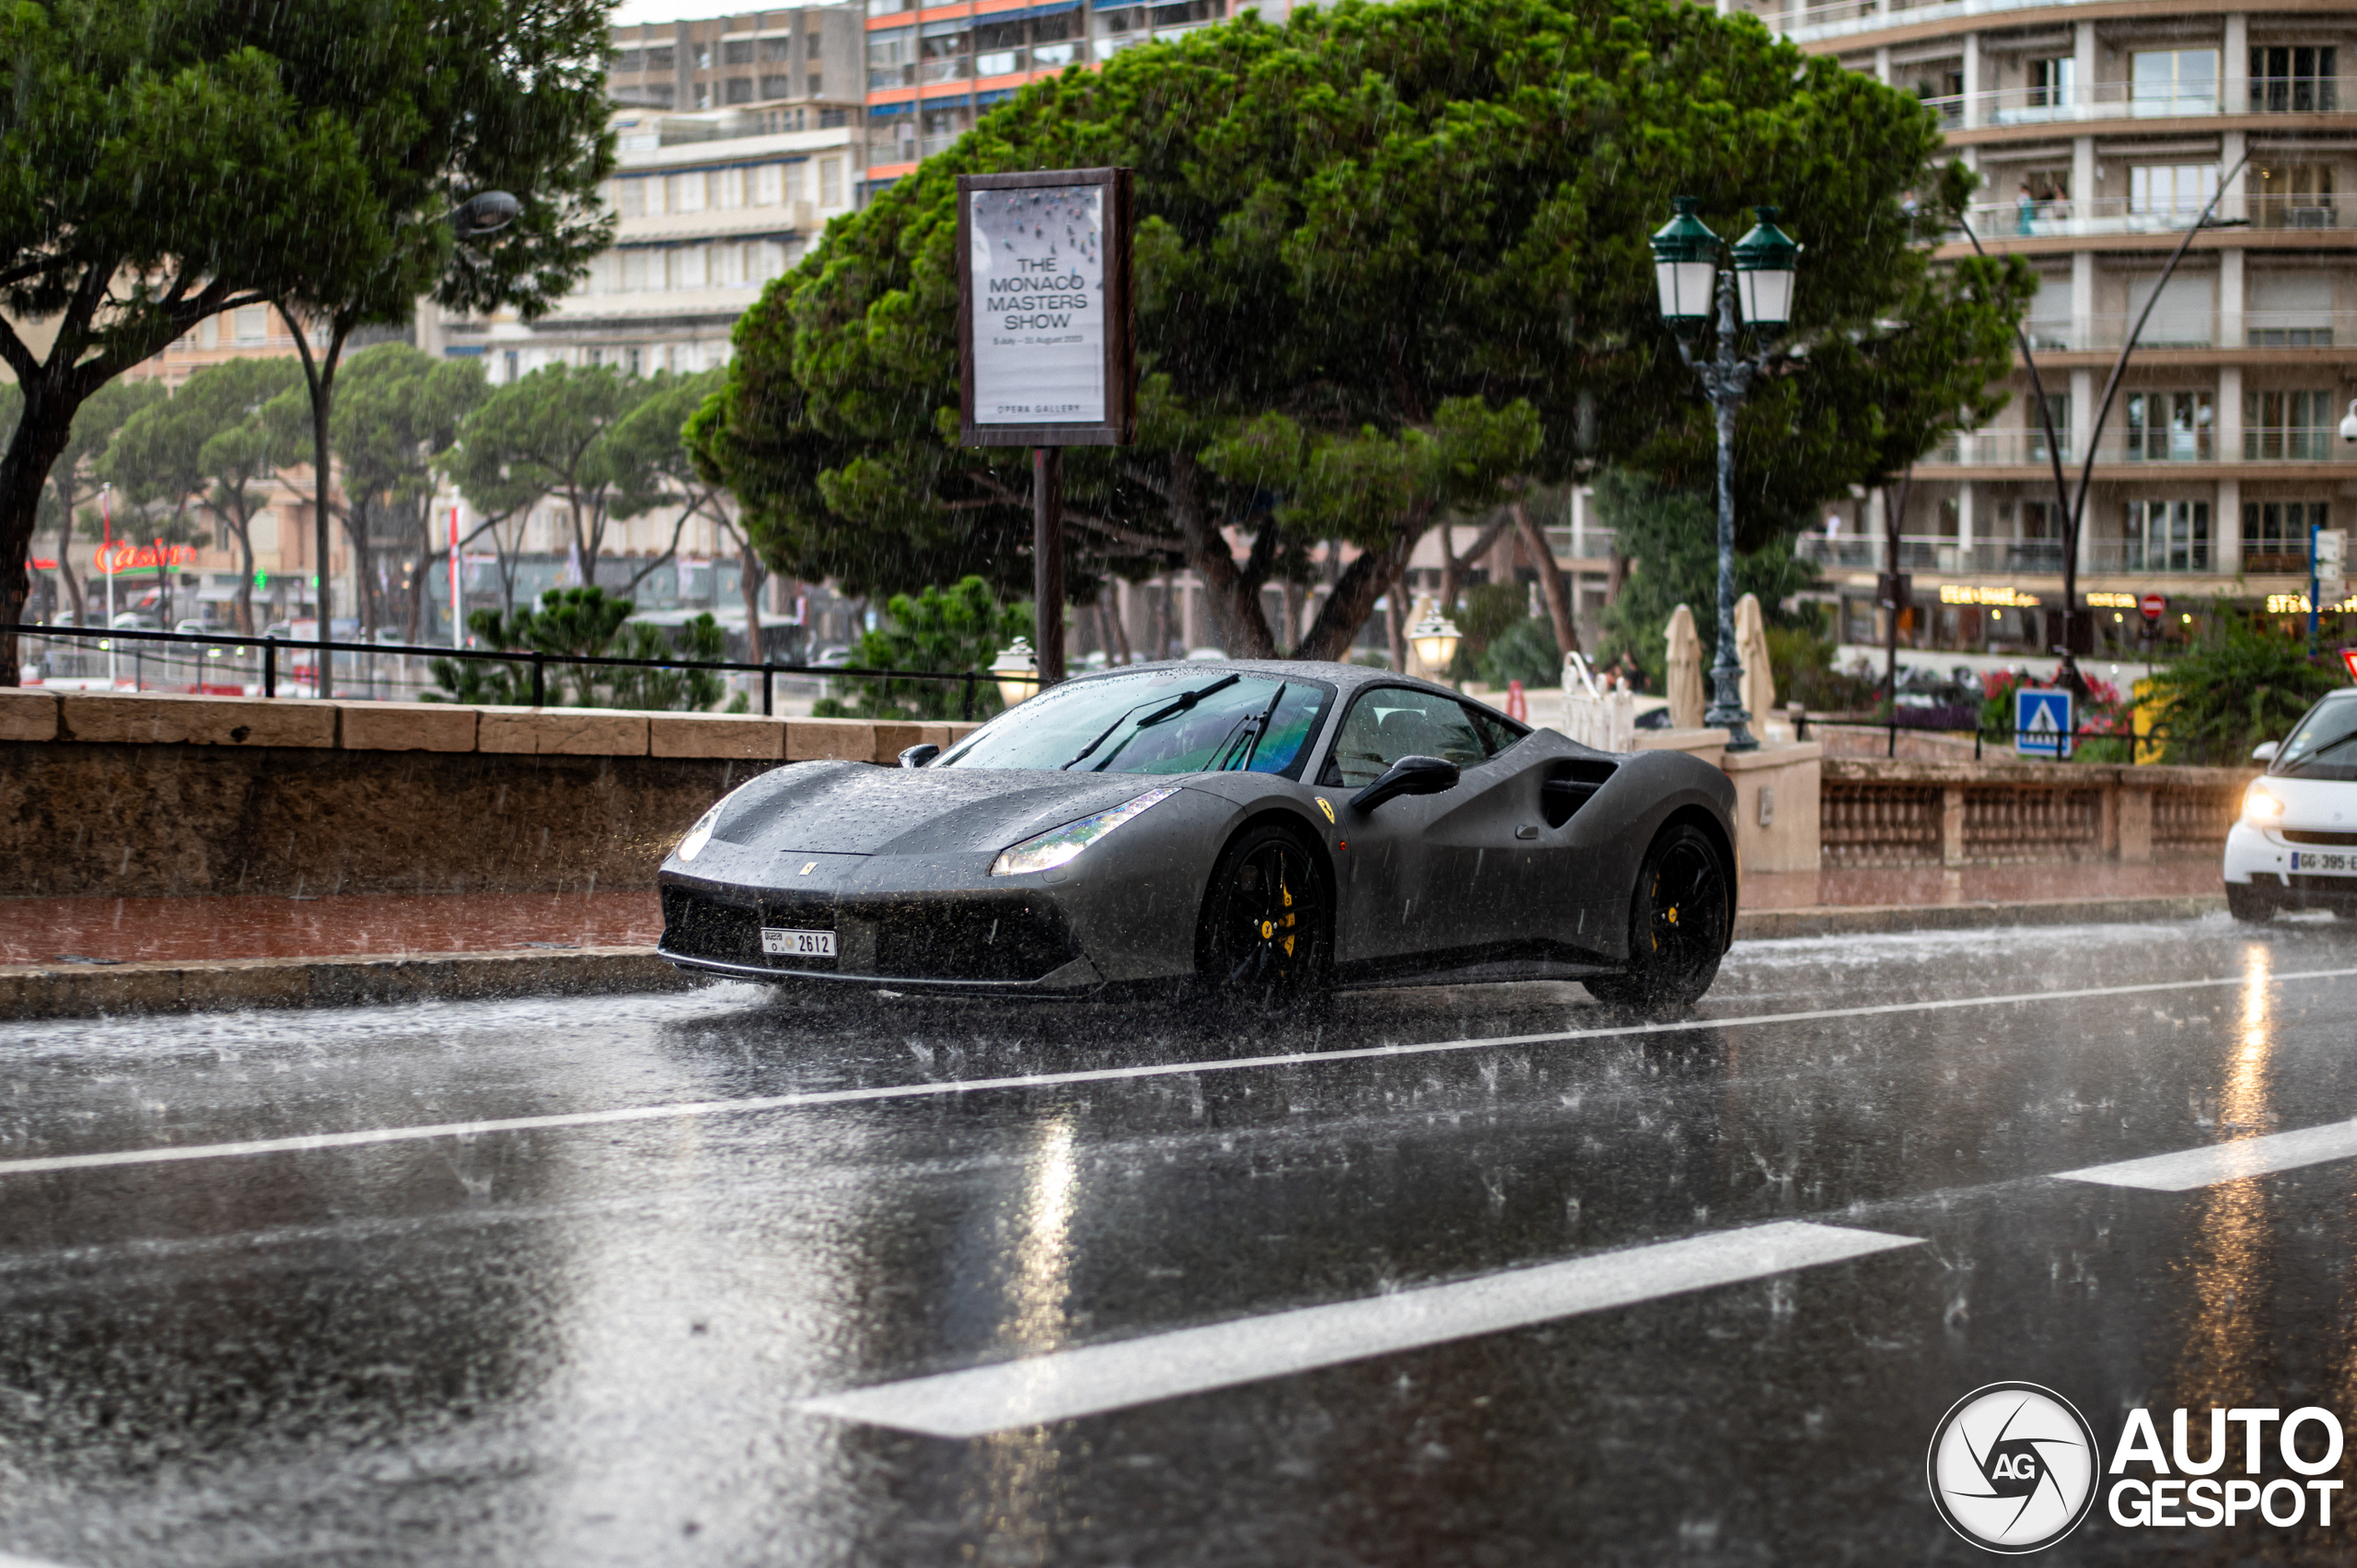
(269, 669)
(539, 682)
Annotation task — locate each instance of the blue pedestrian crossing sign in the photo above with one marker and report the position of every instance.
(2043, 723)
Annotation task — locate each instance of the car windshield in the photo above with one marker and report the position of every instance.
(1165, 720)
(2325, 744)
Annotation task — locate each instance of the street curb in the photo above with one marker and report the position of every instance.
(1873, 919)
(75, 991)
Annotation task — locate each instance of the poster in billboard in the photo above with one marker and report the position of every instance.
(1043, 318)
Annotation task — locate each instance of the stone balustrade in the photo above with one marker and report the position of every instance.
(1879, 812)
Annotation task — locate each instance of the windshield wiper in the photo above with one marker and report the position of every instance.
(1259, 723)
(2306, 758)
(1177, 706)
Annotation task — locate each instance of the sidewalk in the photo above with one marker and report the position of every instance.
(115, 931)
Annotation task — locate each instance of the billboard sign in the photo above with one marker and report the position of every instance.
(1043, 318)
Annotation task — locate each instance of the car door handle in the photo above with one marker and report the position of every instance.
(1526, 832)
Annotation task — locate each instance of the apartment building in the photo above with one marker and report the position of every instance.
(2100, 129)
(932, 70)
(805, 62)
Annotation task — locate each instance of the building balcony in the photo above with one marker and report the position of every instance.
(2132, 448)
(2098, 216)
(2006, 560)
(2257, 330)
(2109, 102)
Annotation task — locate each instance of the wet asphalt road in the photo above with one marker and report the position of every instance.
(587, 1342)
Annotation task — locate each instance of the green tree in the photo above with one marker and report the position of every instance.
(2239, 684)
(1390, 258)
(651, 439)
(953, 630)
(398, 411)
(1672, 536)
(587, 621)
(166, 160)
(74, 480)
(208, 444)
(556, 432)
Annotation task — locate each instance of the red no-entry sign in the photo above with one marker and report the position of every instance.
(2154, 606)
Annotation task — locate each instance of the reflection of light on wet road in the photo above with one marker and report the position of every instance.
(2220, 1362)
(1019, 1488)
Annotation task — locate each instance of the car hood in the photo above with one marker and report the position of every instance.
(858, 809)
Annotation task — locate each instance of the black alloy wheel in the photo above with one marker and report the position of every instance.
(1678, 925)
(1263, 941)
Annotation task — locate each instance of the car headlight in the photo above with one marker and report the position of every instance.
(2261, 804)
(699, 835)
(1055, 848)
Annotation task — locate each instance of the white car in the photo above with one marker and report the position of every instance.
(2295, 846)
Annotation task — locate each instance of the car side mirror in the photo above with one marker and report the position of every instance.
(918, 755)
(2265, 750)
(1409, 776)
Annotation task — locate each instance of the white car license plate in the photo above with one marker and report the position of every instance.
(2310, 860)
(797, 944)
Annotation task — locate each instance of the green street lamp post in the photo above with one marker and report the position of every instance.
(1686, 273)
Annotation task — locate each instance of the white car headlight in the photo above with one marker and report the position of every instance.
(1054, 848)
(2261, 804)
(699, 835)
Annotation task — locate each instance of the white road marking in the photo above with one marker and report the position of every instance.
(1094, 1378)
(2262, 1156)
(314, 1142)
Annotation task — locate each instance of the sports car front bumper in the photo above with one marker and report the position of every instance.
(993, 941)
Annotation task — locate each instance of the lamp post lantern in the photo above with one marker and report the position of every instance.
(1016, 670)
(1686, 270)
(1435, 638)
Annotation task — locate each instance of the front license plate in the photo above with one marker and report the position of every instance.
(797, 944)
(2310, 860)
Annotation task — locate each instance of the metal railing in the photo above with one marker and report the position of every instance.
(2130, 101)
(369, 672)
(1867, 553)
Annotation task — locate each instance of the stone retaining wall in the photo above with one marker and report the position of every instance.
(1877, 812)
(143, 795)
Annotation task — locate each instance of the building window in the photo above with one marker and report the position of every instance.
(2171, 190)
(703, 95)
(252, 323)
(2173, 81)
(704, 57)
(998, 49)
(769, 182)
(830, 182)
(2168, 536)
(2290, 311)
(833, 119)
(2058, 406)
(729, 188)
(2170, 427)
(739, 89)
(777, 86)
(688, 191)
(2294, 195)
(664, 59)
(737, 51)
(633, 198)
(691, 266)
(634, 270)
(634, 359)
(775, 50)
(890, 56)
(1055, 41)
(635, 60)
(946, 51)
(886, 7)
(509, 358)
(2298, 425)
(814, 84)
(2053, 82)
(2294, 80)
(2275, 533)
